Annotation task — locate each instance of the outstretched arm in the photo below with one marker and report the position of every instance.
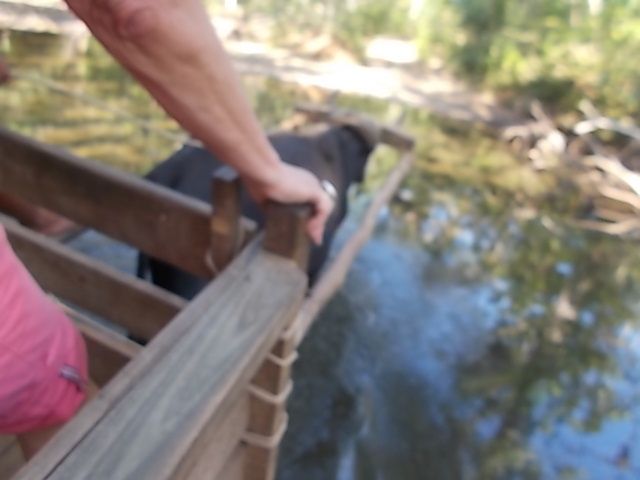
(171, 48)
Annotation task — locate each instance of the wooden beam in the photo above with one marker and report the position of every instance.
(165, 224)
(138, 306)
(215, 445)
(285, 232)
(226, 230)
(235, 466)
(148, 431)
(271, 386)
(108, 351)
(116, 391)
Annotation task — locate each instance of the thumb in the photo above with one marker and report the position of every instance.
(323, 205)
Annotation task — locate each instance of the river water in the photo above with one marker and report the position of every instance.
(479, 334)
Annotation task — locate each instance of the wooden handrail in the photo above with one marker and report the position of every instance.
(148, 419)
(162, 223)
(143, 309)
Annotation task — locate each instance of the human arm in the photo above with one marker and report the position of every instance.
(172, 49)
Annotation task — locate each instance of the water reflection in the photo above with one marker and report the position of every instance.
(486, 344)
(479, 336)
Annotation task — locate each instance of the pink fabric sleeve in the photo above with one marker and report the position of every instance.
(43, 360)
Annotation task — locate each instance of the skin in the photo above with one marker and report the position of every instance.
(171, 48)
(36, 218)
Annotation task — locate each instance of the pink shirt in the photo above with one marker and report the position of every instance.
(43, 360)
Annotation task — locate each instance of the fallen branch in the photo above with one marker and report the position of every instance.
(610, 215)
(621, 228)
(595, 121)
(615, 168)
(623, 196)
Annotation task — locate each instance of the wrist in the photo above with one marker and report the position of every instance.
(263, 179)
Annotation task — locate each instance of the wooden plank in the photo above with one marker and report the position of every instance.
(285, 235)
(72, 434)
(266, 417)
(275, 372)
(108, 351)
(267, 424)
(215, 445)
(165, 224)
(138, 306)
(260, 463)
(11, 458)
(226, 230)
(236, 465)
(149, 432)
(285, 232)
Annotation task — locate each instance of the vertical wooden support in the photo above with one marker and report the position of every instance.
(271, 386)
(226, 232)
(286, 232)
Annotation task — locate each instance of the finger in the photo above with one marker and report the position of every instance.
(322, 209)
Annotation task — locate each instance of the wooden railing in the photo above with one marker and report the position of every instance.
(183, 402)
(165, 224)
(206, 398)
(182, 405)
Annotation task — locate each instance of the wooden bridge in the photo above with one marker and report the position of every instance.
(206, 398)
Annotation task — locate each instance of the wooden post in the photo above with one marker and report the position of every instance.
(285, 233)
(271, 386)
(226, 231)
(193, 376)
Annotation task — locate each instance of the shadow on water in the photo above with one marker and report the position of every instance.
(487, 344)
(479, 335)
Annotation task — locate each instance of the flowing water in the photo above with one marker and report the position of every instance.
(479, 334)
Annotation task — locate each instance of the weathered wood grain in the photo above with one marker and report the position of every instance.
(138, 306)
(226, 229)
(146, 435)
(235, 466)
(275, 372)
(260, 464)
(215, 445)
(11, 458)
(108, 351)
(285, 232)
(72, 434)
(285, 235)
(165, 224)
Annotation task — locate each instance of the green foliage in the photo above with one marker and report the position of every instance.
(556, 51)
(357, 21)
